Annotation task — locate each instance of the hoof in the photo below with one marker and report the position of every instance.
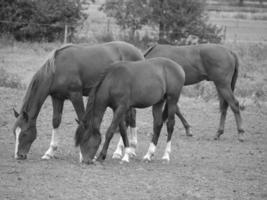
(188, 134)
(219, 133)
(132, 153)
(147, 159)
(48, 157)
(116, 156)
(165, 161)
(124, 161)
(89, 162)
(241, 138)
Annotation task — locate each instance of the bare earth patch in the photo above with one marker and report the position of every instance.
(200, 167)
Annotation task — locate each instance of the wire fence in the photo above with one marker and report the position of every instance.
(234, 30)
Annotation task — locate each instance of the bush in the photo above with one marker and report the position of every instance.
(10, 80)
(40, 20)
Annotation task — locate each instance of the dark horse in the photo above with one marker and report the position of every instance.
(129, 85)
(207, 62)
(69, 73)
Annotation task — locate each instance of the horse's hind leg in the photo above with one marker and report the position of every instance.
(57, 115)
(157, 126)
(223, 109)
(227, 94)
(171, 109)
(184, 122)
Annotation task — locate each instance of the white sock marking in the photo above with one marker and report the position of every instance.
(118, 152)
(133, 136)
(80, 157)
(17, 134)
(150, 152)
(126, 155)
(166, 155)
(53, 145)
(119, 149)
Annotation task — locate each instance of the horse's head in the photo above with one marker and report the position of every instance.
(25, 133)
(89, 141)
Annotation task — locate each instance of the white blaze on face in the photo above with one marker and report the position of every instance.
(17, 133)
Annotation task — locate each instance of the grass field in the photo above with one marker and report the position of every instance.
(200, 168)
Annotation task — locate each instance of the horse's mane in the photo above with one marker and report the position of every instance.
(87, 121)
(45, 73)
(149, 50)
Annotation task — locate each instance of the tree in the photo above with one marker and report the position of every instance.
(130, 15)
(175, 20)
(241, 2)
(40, 19)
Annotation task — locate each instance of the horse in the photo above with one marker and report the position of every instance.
(69, 73)
(126, 85)
(209, 62)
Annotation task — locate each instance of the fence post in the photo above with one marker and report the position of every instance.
(66, 34)
(108, 26)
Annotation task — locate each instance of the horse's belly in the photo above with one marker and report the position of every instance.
(143, 98)
(193, 77)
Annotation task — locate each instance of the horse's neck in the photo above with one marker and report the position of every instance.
(36, 94)
(95, 118)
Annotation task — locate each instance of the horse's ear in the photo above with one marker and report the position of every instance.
(78, 122)
(25, 116)
(16, 114)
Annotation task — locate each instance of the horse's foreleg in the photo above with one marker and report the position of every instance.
(128, 151)
(130, 122)
(117, 118)
(157, 126)
(184, 122)
(57, 115)
(119, 149)
(76, 99)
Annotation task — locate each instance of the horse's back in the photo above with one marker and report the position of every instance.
(78, 66)
(199, 62)
(148, 80)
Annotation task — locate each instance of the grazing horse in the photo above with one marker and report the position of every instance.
(127, 85)
(69, 73)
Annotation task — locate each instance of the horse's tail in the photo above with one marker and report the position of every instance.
(89, 113)
(235, 75)
(149, 50)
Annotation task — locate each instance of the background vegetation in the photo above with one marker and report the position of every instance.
(40, 20)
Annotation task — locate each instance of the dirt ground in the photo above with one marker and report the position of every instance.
(200, 168)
